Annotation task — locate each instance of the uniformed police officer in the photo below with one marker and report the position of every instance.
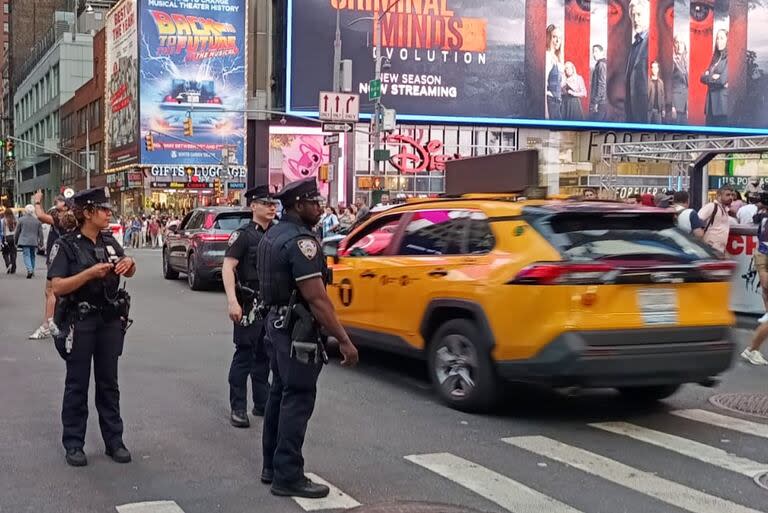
(291, 265)
(242, 297)
(85, 270)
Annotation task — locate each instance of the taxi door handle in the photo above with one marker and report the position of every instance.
(438, 273)
(368, 274)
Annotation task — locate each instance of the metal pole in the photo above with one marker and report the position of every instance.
(334, 148)
(87, 152)
(377, 104)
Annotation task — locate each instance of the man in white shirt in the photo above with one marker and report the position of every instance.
(716, 220)
(746, 214)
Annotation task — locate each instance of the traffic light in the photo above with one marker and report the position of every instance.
(217, 187)
(10, 153)
(322, 173)
(188, 130)
(149, 141)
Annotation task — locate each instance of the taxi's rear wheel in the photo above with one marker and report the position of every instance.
(461, 367)
(649, 394)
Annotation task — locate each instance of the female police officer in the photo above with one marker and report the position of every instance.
(85, 270)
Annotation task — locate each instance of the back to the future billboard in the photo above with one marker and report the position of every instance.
(192, 65)
(678, 65)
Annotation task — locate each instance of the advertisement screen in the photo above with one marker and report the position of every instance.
(193, 64)
(122, 87)
(677, 65)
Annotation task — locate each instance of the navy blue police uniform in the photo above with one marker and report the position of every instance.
(288, 253)
(97, 335)
(250, 356)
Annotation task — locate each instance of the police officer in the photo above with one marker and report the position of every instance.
(292, 273)
(85, 270)
(241, 283)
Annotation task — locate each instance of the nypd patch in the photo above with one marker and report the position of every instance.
(233, 238)
(54, 251)
(308, 248)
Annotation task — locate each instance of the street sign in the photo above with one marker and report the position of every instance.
(331, 139)
(374, 89)
(339, 106)
(338, 127)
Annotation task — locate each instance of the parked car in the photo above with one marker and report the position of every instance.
(196, 246)
(556, 293)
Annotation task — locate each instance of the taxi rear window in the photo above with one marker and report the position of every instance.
(621, 236)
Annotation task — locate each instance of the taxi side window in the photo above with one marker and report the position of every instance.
(434, 232)
(374, 239)
(480, 238)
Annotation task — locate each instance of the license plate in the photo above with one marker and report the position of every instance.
(658, 306)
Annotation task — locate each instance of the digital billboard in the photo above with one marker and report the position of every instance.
(193, 65)
(677, 65)
(122, 86)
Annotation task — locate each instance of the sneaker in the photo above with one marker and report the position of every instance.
(40, 333)
(754, 357)
(763, 319)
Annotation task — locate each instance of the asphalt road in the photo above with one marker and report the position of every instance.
(378, 434)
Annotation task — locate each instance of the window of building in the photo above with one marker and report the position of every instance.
(5, 26)
(5, 9)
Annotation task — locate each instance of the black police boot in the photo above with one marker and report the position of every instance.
(267, 475)
(258, 411)
(76, 458)
(239, 419)
(119, 454)
(301, 488)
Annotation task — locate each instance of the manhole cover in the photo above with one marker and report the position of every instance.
(749, 404)
(411, 507)
(762, 480)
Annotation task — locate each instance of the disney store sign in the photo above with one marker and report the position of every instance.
(415, 156)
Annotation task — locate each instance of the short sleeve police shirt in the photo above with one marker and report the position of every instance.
(61, 260)
(237, 245)
(305, 258)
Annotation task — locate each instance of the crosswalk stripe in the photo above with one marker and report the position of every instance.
(150, 507)
(690, 448)
(629, 477)
(505, 492)
(335, 500)
(724, 421)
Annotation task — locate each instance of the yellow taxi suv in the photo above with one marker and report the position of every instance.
(560, 293)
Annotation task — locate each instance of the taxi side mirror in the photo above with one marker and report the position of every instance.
(331, 250)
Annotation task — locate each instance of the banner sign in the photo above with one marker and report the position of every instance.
(193, 65)
(122, 86)
(670, 65)
(181, 185)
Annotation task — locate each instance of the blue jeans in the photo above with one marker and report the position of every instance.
(29, 253)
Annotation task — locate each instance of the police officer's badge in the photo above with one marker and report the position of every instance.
(54, 251)
(233, 238)
(308, 248)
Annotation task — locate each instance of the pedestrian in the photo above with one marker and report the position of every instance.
(362, 209)
(716, 219)
(293, 275)
(136, 232)
(752, 353)
(736, 205)
(154, 231)
(346, 220)
(330, 222)
(746, 214)
(686, 218)
(61, 221)
(8, 241)
(144, 231)
(241, 283)
(28, 234)
(85, 271)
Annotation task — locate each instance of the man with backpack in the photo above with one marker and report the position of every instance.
(687, 218)
(717, 221)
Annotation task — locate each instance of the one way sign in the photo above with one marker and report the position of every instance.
(339, 106)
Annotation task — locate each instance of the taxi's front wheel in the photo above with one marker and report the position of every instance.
(461, 368)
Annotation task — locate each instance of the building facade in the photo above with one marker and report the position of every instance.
(51, 80)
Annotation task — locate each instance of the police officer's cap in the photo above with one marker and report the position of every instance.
(97, 197)
(300, 190)
(260, 192)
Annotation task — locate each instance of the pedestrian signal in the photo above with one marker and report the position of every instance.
(322, 173)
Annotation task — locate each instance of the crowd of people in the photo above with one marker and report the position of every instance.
(144, 231)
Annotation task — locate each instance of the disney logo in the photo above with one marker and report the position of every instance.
(415, 157)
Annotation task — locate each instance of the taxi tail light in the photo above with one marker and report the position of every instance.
(717, 271)
(213, 237)
(555, 273)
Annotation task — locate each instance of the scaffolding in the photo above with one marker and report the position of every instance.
(687, 156)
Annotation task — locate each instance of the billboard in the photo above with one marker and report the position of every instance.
(677, 65)
(122, 86)
(193, 65)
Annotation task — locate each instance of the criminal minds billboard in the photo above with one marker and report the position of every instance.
(193, 64)
(678, 65)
